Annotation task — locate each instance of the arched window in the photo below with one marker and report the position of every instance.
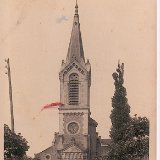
(73, 89)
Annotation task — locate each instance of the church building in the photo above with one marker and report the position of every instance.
(77, 138)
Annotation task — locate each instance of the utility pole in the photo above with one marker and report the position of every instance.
(10, 93)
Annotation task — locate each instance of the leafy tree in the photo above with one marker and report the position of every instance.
(137, 135)
(15, 146)
(129, 136)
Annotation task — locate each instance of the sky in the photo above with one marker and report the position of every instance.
(35, 36)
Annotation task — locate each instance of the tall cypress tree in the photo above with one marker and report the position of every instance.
(129, 135)
(120, 116)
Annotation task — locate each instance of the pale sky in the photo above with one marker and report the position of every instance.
(35, 36)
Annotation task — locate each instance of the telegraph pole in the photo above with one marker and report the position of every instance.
(10, 93)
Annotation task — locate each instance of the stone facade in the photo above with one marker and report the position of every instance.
(77, 138)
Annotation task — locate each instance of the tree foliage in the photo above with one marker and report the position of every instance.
(129, 136)
(120, 112)
(137, 135)
(15, 146)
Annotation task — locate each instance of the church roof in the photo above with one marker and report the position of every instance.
(75, 50)
(47, 149)
(50, 151)
(93, 122)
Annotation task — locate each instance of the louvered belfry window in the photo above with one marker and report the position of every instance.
(73, 89)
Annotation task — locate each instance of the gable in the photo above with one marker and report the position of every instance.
(72, 148)
(76, 66)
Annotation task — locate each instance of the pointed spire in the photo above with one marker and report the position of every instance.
(76, 8)
(75, 50)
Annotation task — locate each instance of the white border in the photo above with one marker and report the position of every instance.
(158, 79)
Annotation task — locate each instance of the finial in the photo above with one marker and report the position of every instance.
(76, 8)
(76, 3)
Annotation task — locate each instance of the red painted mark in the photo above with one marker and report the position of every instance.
(52, 105)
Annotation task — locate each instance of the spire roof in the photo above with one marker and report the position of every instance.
(75, 50)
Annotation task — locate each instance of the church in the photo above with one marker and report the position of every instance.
(77, 138)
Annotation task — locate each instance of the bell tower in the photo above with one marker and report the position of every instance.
(75, 82)
(75, 74)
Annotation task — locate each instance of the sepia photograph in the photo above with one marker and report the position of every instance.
(78, 79)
